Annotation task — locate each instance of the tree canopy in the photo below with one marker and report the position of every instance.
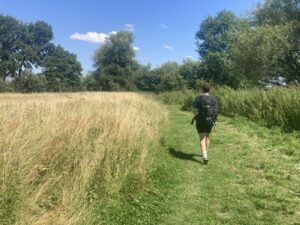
(276, 13)
(238, 51)
(27, 45)
(115, 62)
(259, 52)
(62, 70)
(22, 45)
(212, 35)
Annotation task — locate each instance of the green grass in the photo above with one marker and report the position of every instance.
(278, 107)
(252, 178)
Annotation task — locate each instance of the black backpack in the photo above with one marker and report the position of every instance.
(208, 110)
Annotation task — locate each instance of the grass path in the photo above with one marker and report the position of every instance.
(251, 179)
(242, 184)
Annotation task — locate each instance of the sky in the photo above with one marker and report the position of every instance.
(164, 30)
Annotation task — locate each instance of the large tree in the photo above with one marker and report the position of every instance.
(212, 35)
(276, 12)
(22, 45)
(145, 79)
(191, 71)
(219, 69)
(258, 52)
(283, 13)
(115, 62)
(62, 70)
(170, 78)
(213, 43)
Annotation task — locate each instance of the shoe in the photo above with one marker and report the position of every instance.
(205, 161)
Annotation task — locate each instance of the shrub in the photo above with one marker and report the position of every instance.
(175, 97)
(277, 107)
(30, 82)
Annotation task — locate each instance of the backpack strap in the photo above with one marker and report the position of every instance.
(193, 120)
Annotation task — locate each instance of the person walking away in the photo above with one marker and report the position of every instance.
(206, 109)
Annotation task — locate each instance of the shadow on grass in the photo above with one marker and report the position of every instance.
(184, 156)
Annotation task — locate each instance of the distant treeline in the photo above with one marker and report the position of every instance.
(233, 51)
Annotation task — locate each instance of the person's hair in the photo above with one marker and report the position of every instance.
(206, 87)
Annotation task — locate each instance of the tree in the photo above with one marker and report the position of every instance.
(115, 62)
(259, 52)
(89, 83)
(219, 69)
(170, 78)
(30, 82)
(5, 87)
(38, 37)
(213, 44)
(276, 12)
(283, 13)
(62, 70)
(145, 79)
(22, 46)
(212, 35)
(191, 71)
(11, 32)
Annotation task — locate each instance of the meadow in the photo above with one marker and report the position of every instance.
(62, 154)
(126, 158)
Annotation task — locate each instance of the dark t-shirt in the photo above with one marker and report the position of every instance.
(197, 102)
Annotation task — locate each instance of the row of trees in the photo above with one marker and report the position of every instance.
(234, 51)
(28, 46)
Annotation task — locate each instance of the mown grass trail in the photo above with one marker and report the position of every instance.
(247, 181)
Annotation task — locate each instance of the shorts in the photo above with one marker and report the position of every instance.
(204, 127)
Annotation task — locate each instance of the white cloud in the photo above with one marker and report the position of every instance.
(164, 26)
(189, 57)
(168, 47)
(135, 48)
(92, 37)
(113, 33)
(130, 27)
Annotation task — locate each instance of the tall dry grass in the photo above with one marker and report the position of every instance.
(62, 153)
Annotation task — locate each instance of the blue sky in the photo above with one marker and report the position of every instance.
(164, 30)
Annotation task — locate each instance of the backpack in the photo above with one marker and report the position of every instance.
(208, 110)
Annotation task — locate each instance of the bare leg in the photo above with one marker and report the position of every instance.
(203, 143)
(207, 141)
